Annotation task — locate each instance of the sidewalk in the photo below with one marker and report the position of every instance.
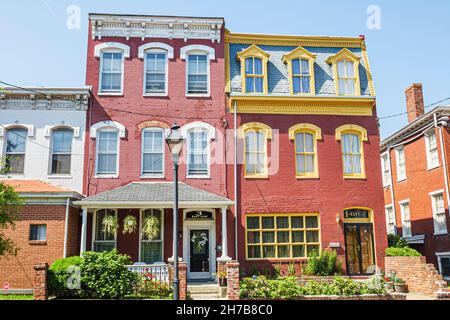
(416, 296)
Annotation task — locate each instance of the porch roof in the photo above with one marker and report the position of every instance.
(154, 194)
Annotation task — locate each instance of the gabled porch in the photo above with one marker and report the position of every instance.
(203, 225)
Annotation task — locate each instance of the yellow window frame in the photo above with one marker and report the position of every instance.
(301, 54)
(290, 229)
(316, 132)
(267, 132)
(254, 52)
(362, 134)
(346, 55)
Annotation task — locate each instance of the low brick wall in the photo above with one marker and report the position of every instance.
(420, 276)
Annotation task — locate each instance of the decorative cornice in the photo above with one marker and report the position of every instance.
(134, 26)
(295, 41)
(38, 98)
(302, 105)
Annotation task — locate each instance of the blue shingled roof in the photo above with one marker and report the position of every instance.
(278, 74)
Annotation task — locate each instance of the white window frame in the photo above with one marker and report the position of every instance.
(433, 196)
(431, 166)
(386, 208)
(402, 210)
(94, 227)
(50, 174)
(141, 215)
(211, 135)
(150, 175)
(5, 134)
(397, 162)
(386, 171)
(107, 175)
(441, 255)
(198, 50)
(166, 85)
(111, 47)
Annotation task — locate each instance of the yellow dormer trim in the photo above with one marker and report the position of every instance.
(254, 52)
(254, 125)
(301, 53)
(352, 128)
(305, 127)
(342, 55)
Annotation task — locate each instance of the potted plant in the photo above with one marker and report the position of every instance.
(399, 285)
(222, 278)
(389, 283)
(129, 224)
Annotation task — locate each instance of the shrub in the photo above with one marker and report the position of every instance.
(289, 288)
(396, 241)
(105, 274)
(402, 252)
(327, 264)
(58, 275)
(151, 289)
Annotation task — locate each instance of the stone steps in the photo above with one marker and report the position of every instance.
(206, 291)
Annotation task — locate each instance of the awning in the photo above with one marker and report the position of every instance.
(154, 195)
(418, 239)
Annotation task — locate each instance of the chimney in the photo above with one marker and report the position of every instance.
(414, 101)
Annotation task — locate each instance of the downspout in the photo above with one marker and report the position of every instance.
(235, 184)
(444, 160)
(394, 210)
(66, 227)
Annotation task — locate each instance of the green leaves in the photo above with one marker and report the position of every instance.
(402, 252)
(325, 264)
(10, 204)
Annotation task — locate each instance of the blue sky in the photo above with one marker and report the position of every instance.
(411, 46)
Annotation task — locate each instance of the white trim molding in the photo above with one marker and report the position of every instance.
(5, 127)
(200, 125)
(197, 48)
(50, 128)
(155, 45)
(111, 45)
(107, 124)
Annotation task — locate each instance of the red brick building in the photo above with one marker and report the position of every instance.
(147, 73)
(304, 113)
(415, 179)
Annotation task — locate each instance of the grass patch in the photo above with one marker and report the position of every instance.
(16, 297)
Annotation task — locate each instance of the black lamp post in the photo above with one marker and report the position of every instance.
(175, 141)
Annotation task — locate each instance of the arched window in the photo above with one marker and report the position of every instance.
(301, 70)
(255, 149)
(153, 152)
(198, 136)
(254, 70)
(346, 73)
(61, 151)
(112, 56)
(197, 68)
(352, 137)
(15, 150)
(305, 136)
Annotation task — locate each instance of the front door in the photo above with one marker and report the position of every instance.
(359, 248)
(199, 253)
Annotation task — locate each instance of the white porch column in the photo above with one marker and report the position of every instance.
(224, 256)
(83, 231)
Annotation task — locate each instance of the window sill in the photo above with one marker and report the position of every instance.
(113, 94)
(106, 176)
(59, 176)
(200, 95)
(433, 168)
(312, 177)
(355, 177)
(262, 176)
(198, 177)
(162, 94)
(440, 233)
(37, 242)
(153, 176)
(401, 180)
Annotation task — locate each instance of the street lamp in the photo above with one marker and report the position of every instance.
(175, 141)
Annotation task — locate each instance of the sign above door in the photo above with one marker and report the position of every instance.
(199, 215)
(356, 214)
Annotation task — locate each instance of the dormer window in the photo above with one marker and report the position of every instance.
(254, 76)
(346, 73)
(254, 70)
(301, 71)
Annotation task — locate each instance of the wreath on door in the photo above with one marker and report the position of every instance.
(199, 241)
